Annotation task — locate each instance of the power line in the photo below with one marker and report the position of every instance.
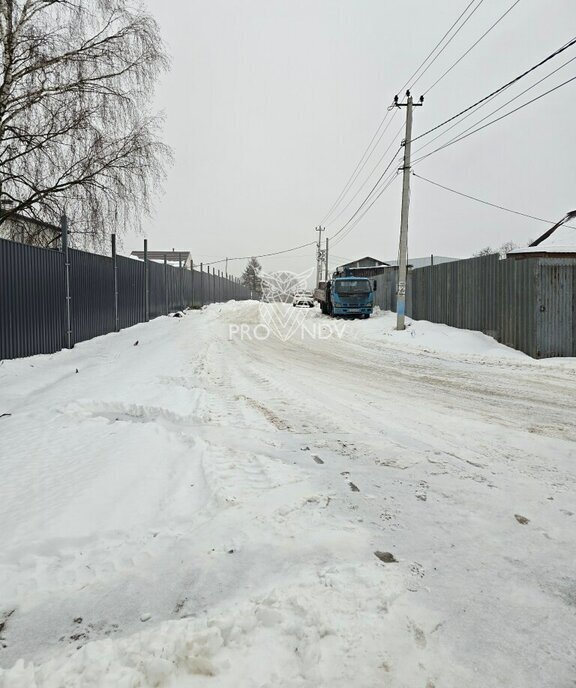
(465, 135)
(262, 255)
(360, 165)
(409, 81)
(472, 47)
(368, 177)
(449, 41)
(374, 141)
(385, 186)
(367, 197)
(359, 169)
(479, 200)
(373, 144)
(537, 83)
(498, 90)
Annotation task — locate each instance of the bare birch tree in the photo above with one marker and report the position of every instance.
(76, 130)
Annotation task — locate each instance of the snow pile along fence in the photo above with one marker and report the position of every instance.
(527, 304)
(106, 294)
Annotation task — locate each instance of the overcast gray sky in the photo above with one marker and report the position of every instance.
(270, 104)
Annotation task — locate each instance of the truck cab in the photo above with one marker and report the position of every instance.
(345, 295)
(351, 296)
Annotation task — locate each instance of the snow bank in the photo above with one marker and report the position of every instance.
(439, 338)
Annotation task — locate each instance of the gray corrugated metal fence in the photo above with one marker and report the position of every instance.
(32, 300)
(33, 295)
(91, 295)
(526, 304)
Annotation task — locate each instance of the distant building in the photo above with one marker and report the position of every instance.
(364, 267)
(29, 230)
(174, 258)
(366, 262)
(424, 262)
(370, 267)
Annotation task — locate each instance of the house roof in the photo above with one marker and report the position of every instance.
(359, 260)
(425, 261)
(18, 217)
(171, 256)
(560, 238)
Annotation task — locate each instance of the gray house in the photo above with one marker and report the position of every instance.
(29, 230)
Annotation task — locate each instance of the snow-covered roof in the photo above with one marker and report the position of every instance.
(562, 240)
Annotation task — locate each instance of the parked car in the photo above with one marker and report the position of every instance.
(303, 299)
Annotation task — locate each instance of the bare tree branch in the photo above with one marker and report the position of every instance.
(76, 131)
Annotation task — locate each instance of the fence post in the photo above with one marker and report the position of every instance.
(180, 276)
(115, 268)
(146, 283)
(192, 296)
(65, 251)
(166, 284)
(201, 285)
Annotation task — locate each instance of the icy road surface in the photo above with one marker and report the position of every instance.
(203, 510)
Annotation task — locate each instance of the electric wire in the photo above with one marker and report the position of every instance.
(498, 90)
(366, 155)
(367, 197)
(390, 180)
(480, 200)
(448, 42)
(470, 114)
(392, 142)
(463, 135)
(409, 80)
(373, 144)
(375, 140)
(262, 255)
(439, 79)
(360, 165)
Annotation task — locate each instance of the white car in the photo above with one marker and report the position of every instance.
(303, 299)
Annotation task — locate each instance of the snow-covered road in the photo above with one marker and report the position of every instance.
(204, 508)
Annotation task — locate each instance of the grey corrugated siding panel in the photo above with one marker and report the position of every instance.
(131, 302)
(92, 295)
(32, 296)
(556, 309)
(499, 297)
(156, 289)
(31, 300)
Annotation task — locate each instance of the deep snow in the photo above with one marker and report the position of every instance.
(203, 509)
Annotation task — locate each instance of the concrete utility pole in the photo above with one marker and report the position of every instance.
(326, 262)
(403, 250)
(319, 254)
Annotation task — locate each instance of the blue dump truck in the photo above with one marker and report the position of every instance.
(345, 295)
